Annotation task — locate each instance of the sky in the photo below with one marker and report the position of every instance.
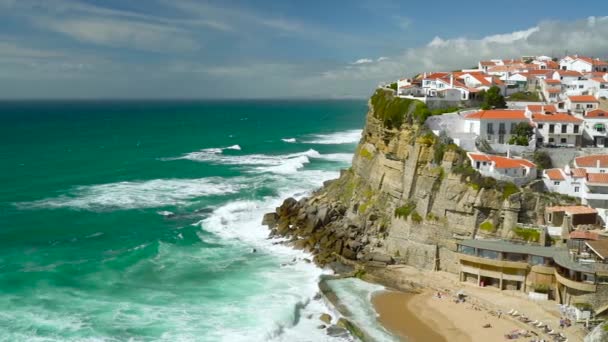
(79, 49)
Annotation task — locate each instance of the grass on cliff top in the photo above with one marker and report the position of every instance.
(527, 234)
(394, 111)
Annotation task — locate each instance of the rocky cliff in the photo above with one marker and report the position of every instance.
(408, 197)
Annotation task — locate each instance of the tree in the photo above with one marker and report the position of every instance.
(393, 86)
(521, 134)
(542, 160)
(493, 99)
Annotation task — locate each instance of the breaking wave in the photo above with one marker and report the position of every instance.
(337, 138)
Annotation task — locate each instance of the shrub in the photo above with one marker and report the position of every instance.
(508, 189)
(525, 96)
(487, 226)
(405, 210)
(364, 153)
(393, 86)
(416, 218)
(527, 234)
(542, 160)
(392, 110)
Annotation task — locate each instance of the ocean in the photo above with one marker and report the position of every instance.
(141, 220)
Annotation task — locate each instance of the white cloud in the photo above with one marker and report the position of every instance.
(588, 36)
(123, 33)
(363, 61)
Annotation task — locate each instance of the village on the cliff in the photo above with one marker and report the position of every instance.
(540, 118)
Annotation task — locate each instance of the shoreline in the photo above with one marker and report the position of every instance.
(409, 309)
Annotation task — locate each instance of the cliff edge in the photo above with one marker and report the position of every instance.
(408, 198)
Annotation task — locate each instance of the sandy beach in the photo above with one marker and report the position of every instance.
(425, 317)
(417, 314)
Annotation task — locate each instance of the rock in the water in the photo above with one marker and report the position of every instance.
(322, 326)
(270, 220)
(336, 331)
(325, 318)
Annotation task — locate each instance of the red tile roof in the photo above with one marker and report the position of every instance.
(583, 98)
(498, 114)
(579, 173)
(555, 174)
(591, 161)
(487, 63)
(592, 61)
(552, 81)
(584, 235)
(502, 162)
(541, 72)
(572, 210)
(436, 75)
(554, 90)
(598, 113)
(569, 73)
(597, 178)
(542, 108)
(600, 247)
(599, 80)
(558, 117)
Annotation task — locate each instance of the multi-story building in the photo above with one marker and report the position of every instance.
(555, 128)
(587, 179)
(581, 104)
(596, 124)
(583, 64)
(496, 125)
(566, 278)
(551, 89)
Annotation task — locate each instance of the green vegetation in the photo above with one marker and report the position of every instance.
(530, 96)
(493, 99)
(390, 109)
(542, 160)
(583, 306)
(393, 86)
(508, 189)
(521, 134)
(405, 210)
(416, 218)
(440, 111)
(364, 153)
(541, 288)
(360, 273)
(432, 217)
(487, 226)
(427, 139)
(527, 234)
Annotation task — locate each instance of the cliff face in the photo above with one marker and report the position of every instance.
(408, 198)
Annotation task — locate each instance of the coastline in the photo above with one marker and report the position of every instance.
(409, 309)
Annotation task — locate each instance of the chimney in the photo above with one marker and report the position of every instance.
(451, 80)
(424, 74)
(597, 163)
(509, 153)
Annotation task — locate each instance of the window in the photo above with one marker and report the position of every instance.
(575, 128)
(466, 250)
(501, 128)
(556, 183)
(536, 260)
(540, 126)
(563, 140)
(580, 86)
(551, 140)
(488, 254)
(551, 128)
(490, 128)
(577, 188)
(578, 106)
(564, 128)
(513, 127)
(602, 171)
(589, 105)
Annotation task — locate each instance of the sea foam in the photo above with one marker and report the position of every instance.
(140, 194)
(337, 138)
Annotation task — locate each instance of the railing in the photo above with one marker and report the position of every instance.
(494, 262)
(543, 269)
(577, 285)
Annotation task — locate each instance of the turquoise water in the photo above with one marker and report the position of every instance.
(90, 251)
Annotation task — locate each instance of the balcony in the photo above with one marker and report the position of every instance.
(492, 274)
(494, 262)
(543, 269)
(577, 285)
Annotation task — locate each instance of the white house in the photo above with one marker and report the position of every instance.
(599, 87)
(554, 128)
(581, 104)
(567, 76)
(583, 64)
(516, 170)
(551, 89)
(494, 125)
(596, 124)
(587, 180)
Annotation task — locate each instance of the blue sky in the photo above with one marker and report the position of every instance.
(268, 48)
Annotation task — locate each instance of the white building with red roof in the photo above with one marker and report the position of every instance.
(551, 89)
(587, 179)
(516, 170)
(595, 127)
(555, 128)
(583, 64)
(496, 125)
(581, 104)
